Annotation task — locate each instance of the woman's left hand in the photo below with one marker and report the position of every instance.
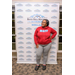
(50, 37)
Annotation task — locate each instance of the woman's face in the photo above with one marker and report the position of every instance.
(44, 24)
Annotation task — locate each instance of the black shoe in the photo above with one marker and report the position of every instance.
(37, 67)
(43, 67)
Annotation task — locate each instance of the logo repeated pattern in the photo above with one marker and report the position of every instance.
(37, 10)
(28, 5)
(20, 47)
(46, 5)
(45, 10)
(28, 52)
(28, 10)
(37, 5)
(20, 38)
(19, 16)
(19, 22)
(52, 52)
(21, 51)
(21, 59)
(54, 10)
(54, 17)
(20, 33)
(54, 5)
(28, 56)
(53, 22)
(20, 4)
(19, 10)
(28, 28)
(28, 33)
(20, 28)
(28, 43)
(20, 42)
(21, 55)
(28, 38)
(27, 19)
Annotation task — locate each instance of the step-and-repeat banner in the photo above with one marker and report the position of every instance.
(28, 16)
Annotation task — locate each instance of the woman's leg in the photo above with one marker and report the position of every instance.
(39, 52)
(45, 53)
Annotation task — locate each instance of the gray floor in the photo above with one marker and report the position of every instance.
(28, 69)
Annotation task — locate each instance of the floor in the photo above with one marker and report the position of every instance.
(28, 69)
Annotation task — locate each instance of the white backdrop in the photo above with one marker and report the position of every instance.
(28, 17)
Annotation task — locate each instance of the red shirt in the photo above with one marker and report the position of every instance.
(42, 35)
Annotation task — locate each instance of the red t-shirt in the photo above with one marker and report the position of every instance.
(42, 35)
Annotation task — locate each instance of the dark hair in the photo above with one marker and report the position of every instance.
(47, 21)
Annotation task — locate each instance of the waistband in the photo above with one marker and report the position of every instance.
(43, 44)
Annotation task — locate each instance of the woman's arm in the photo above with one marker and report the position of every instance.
(53, 33)
(35, 37)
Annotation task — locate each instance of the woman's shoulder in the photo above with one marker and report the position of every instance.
(50, 27)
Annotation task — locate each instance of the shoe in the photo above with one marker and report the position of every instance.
(37, 67)
(43, 67)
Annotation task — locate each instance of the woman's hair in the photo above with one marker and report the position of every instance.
(47, 21)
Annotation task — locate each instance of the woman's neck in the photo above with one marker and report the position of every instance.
(44, 26)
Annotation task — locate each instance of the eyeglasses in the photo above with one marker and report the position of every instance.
(43, 22)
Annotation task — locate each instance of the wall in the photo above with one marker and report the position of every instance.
(60, 1)
(13, 1)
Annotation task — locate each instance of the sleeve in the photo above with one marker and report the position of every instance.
(35, 37)
(53, 33)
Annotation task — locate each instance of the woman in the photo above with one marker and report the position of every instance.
(43, 41)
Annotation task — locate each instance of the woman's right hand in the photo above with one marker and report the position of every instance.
(37, 46)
